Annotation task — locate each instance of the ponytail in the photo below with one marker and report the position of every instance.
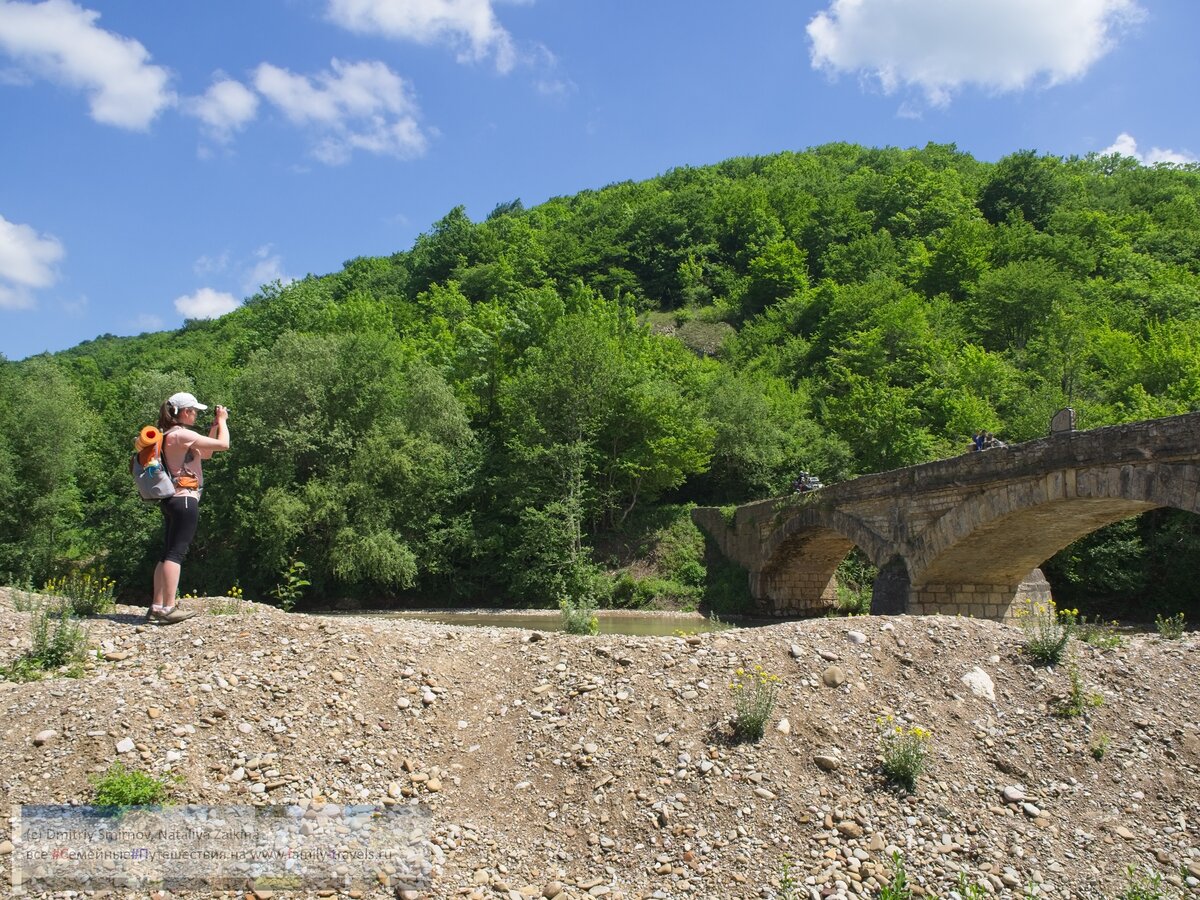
(168, 416)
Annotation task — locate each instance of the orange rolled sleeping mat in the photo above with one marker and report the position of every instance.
(147, 444)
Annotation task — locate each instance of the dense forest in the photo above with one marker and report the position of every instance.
(522, 409)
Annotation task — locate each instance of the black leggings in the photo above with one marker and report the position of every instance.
(181, 515)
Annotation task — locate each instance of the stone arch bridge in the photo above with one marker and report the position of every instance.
(961, 535)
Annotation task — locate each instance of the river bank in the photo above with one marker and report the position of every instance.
(552, 765)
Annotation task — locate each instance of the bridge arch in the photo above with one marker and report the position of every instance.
(992, 540)
(802, 554)
(1001, 533)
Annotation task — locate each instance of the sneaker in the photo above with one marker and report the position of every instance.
(175, 614)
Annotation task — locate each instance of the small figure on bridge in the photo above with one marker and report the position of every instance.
(804, 482)
(977, 441)
(991, 442)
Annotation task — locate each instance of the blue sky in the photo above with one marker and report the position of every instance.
(160, 161)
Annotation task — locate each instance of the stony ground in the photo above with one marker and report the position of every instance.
(580, 767)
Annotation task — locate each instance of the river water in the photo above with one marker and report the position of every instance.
(619, 622)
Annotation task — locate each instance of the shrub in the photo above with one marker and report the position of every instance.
(579, 616)
(1171, 628)
(1100, 747)
(1098, 635)
(754, 696)
(727, 590)
(234, 603)
(1047, 630)
(630, 592)
(970, 890)
(1142, 887)
(719, 624)
(903, 751)
(855, 585)
(1079, 699)
(679, 551)
(23, 600)
(291, 584)
(123, 787)
(897, 888)
(87, 593)
(57, 642)
(787, 882)
(729, 515)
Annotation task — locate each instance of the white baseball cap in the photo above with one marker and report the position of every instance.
(184, 400)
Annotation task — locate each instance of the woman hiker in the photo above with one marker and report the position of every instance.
(182, 451)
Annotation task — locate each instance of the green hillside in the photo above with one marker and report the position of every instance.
(518, 409)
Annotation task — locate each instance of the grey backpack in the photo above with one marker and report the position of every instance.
(153, 481)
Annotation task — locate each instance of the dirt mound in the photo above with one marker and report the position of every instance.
(604, 766)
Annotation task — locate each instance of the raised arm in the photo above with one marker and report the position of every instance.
(218, 435)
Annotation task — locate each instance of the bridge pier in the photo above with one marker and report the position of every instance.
(983, 601)
(793, 593)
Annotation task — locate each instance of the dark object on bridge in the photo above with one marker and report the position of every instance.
(1063, 421)
(804, 482)
(985, 440)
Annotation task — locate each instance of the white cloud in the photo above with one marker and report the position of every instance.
(267, 267)
(1125, 145)
(226, 107)
(469, 25)
(60, 41)
(15, 297)
(941, 46)
(27, 262)
(356, 106)
(206, 265)
(205, 304)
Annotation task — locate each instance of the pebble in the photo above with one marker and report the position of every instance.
(827, 762)
(126, 745)
(850, 829)
(856, 637)
(833, 677)
(44, 737)
(784, 726)
(980, 683)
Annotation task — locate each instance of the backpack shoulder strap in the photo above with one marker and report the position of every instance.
(163, 450)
